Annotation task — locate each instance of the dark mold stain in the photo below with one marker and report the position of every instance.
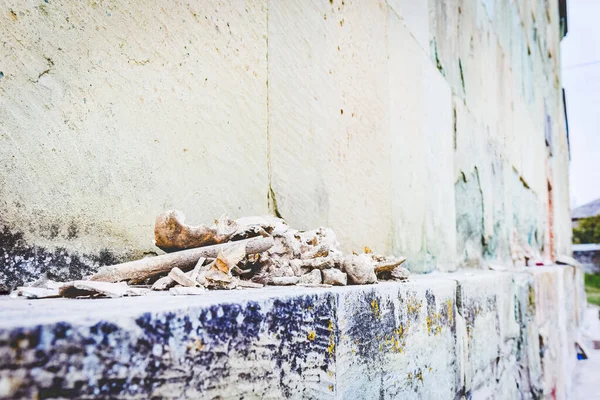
(367, 324)
(462, 77)
(23, 263)
(272, 200)
(72, 231)
(191, 349)
(438, 62)
(454, 124)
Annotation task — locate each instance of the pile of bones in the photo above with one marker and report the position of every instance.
(249, 252)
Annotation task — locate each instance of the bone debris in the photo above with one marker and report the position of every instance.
(247, 253)
(312, 278)
(334, 276)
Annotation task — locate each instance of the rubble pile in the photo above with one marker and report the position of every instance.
(249, 252)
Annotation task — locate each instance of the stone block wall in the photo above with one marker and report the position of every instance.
(479, 335)
(412, 127)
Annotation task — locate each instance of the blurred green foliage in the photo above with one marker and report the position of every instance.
(587, 231)
(592, 288)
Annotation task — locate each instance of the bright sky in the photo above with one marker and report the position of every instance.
(582, 87)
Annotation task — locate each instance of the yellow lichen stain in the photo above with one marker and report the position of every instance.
(196, 345)
(413, 306)
(311, 335)
(450, 311)
(400, 331)
(367, 250)
(430, 369)
(331, 388)
(409, 376)
(394, 342)
(330, 373)
(375, 309)
(419, 376)
(309, 308)
(331, 347)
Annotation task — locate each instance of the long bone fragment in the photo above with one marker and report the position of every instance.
(139, 270)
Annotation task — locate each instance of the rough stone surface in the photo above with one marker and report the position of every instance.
(506, 335)
(111, 113)
(430, 129)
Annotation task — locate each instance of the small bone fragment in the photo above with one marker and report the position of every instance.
(321, 250)
(216, 275)
(388, 264)
(32, 292)
(400, 274)
(137, 291)
(281, 269)
(360, 269)
(299, 270)
(104, 288)
(241, 272)
(263, 226)
(320, 236)
(183, 290)
(197, 269)
(139, 270)
(201, 278)
(219, 272)
(284, 280)
(249, 284)
(108, 289)
(286, 245)
(262, 278)
(163, 283)
(312, 278)
(178, 276)
(228, 258)
(314, 263)
(334, 276)
(172, 234)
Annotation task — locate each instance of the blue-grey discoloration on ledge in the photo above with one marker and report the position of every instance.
(472, 334)
(24, 263)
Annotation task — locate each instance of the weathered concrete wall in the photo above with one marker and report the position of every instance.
(380, 119)
(480, 335)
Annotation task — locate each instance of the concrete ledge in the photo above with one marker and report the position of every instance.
(440, 336)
